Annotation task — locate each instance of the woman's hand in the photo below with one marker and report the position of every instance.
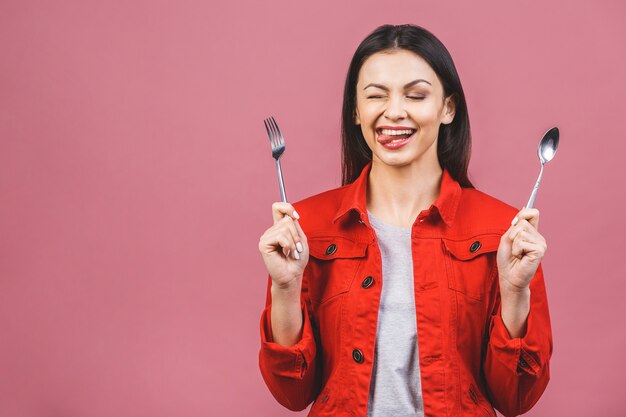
(521, 249)
(284, 248)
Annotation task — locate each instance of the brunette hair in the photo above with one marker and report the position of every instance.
(454, 140)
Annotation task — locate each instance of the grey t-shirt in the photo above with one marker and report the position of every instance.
(396, 388)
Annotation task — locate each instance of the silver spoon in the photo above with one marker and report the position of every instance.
(546, 150)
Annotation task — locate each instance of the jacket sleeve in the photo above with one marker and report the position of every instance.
(292, 374)
(517, 369)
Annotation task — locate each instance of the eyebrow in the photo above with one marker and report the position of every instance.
(411, 84)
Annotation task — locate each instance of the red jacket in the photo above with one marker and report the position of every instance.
(468, 362)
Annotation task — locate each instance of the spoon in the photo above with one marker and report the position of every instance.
(545, 151)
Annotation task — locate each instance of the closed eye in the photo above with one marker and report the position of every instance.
(411, 97)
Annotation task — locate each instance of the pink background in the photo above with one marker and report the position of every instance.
(136, 180)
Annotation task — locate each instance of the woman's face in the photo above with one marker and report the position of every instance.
(398, 91)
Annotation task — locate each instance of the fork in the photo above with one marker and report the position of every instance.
(278, 147)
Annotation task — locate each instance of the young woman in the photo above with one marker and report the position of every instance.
(405, 292)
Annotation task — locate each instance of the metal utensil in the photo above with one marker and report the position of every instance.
(546, 150)
(278, 147)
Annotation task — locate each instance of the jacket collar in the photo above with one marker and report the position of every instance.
(446, 204)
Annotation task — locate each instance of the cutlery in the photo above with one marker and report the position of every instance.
(546, 150)
(277, 142)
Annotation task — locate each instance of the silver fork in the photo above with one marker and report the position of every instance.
(278, 147)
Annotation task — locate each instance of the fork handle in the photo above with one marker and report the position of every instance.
(281, 184)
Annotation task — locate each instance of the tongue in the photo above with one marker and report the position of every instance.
(387, 138)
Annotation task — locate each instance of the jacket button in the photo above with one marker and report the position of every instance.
(523, 363)
(332, 248)
(368, 281)
(357, 355)
(473, 396)
(475, 246)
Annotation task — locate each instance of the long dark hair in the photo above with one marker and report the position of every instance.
(454, 140)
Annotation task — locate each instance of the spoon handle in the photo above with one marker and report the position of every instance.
(531, 201)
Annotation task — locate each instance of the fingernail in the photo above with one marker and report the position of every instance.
(299, 247)
(296, 215)
(514, 221)
(296, 255)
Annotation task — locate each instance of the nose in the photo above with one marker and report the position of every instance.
(395, 109)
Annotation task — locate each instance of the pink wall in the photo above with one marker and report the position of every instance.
(136, 180)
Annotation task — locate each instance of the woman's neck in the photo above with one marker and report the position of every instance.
(397, 194)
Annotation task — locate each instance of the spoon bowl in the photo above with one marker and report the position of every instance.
(548, 145)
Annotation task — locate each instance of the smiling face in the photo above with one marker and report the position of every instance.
(399, 90)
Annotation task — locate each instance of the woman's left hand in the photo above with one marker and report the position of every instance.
(520, 251)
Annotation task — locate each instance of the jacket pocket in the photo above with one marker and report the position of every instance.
(483, 407)
(470, 263)
(333, 263)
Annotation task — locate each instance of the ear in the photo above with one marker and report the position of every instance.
(357, 119)
(449, 109)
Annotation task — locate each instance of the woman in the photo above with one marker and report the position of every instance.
(405, 292)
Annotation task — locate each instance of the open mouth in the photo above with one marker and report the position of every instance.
(384, 136)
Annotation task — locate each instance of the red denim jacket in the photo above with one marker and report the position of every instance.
(468, 362)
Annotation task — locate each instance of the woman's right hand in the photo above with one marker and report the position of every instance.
(281, 245)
